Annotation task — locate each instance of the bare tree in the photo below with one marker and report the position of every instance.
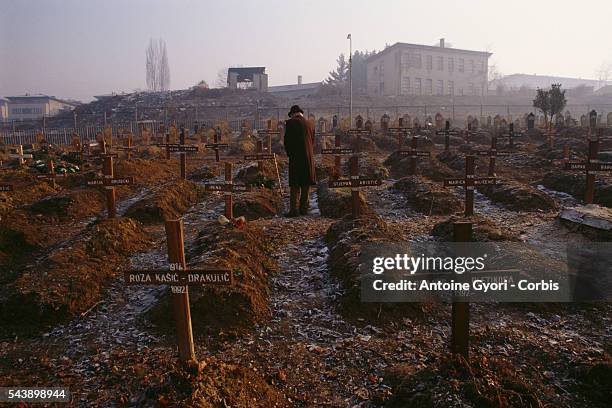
(221, 81)
(157, 67)
(605, 73)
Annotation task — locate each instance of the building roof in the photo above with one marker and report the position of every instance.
(534, 81)
(427, 48)
(294, 87)
(246, 73)
(38, 98)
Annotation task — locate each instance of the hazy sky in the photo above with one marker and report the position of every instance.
(78, 48)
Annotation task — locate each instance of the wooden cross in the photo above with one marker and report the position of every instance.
(109, 182)
(268, 133)
(6, 188)
(216, 145)
(260, 156)
(511, 135)
(591, 166)
(227, 188)
(128, 146)
(179, 277)
(18, 154)
(400, 133)
(337, 151)
(468, 132)
(358, 133)
(181, 148)
(492, 154)
(413, 154)
(469, 182)
(447, 132)
(51, 175)
(355, 183)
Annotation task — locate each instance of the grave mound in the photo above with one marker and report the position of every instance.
(168, 202)
(483, 230)
(575, 185)
(428, 197)
(519, 197)
(246, 252)
(400, 166)
(344, 239)
(263, 203)
(337, 202)
(71, 279)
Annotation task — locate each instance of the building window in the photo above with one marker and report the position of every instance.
(481, 67)
(472, 70)
(471, 89)
(382, 68)
(451, 88)
(405, 88)
(440, 63)
(440, 87)
(381, 88)
(405, 62)
(461, 65)
(375, 70)
(451, 64)
(460, 91)
(428, 87)
(428, 62)
(417, 61)
(417, 86)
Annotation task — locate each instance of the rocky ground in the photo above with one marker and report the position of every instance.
(287, 334)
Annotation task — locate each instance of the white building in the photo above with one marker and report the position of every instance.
(413, 69)
(36, 106)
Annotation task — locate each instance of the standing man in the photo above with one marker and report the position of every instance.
(299, 140)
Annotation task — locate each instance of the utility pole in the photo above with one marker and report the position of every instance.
(349, 37)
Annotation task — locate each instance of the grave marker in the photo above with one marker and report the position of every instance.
(260, 157)
(413, 154)
(355, 182)
(227, 188)
(51, 175)
(216, 145)
(591, 166)
(469, 182)
(6, 188)
(492, 154)
(267, 134)
(447, 132)
(337, 151)
(128, 146)
(511, 135)
(182, 148)
(109, 182)
(180, 280)
(17, 153)
(400, 132)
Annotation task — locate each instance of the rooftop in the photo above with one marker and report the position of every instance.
(427, 48)
(38, 97)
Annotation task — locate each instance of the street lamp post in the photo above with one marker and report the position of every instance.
(350, 79)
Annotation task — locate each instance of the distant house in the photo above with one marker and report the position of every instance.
(247, 78)
(295, 90)
(36, 106)
(518, 81)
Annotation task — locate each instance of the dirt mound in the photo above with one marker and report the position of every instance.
(483, 230)
(252, 176)
(337, 202)
(595, 381)
(369, 167)
(246, 252)
(556, 152)
(72, 278)
(400, 166)
(384, 142)
(18, 239)
(441, 140)
(344, 239)
(263, 203)
(242, 147)
(427, 197)
(483, 382)
(70, 205)
(575, 185)
(204, 173)
(519, 197)
(168, 202)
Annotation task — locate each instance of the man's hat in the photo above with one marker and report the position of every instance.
(294, 109)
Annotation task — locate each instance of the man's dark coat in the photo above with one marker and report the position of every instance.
(299, 141)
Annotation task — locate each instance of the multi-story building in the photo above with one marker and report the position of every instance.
(412, 69)
(36, 106)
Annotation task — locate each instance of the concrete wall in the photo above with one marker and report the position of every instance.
(414, 70)
(23, 109)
